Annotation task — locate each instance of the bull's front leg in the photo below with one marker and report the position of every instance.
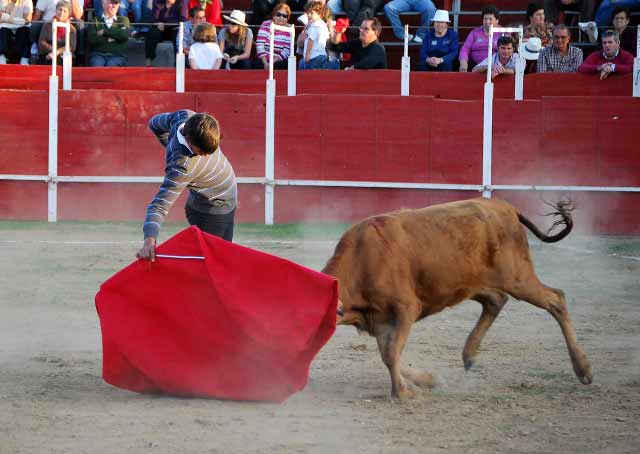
(391, 340)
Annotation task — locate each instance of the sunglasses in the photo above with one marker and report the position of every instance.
(283, 15)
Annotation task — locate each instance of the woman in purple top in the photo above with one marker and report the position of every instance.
(476, 46)
(166, 16)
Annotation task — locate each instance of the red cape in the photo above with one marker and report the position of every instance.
(240, 324)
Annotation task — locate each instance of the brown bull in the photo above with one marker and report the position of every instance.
(400, 267)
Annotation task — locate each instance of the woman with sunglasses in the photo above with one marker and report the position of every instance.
(281, 40)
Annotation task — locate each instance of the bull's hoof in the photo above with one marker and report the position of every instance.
(403, 395)
(468, 364)
(586, 379)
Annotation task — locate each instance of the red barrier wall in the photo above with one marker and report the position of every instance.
(380, 82)
(551, 141)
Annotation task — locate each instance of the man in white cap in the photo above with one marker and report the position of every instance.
(440, 47)
(394, 8)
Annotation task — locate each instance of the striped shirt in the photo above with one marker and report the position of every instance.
(281, 42)
(210, 178)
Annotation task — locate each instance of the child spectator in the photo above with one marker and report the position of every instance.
(236, 40)
(197, 17)
(14, 21)
(504, 61)
(205, 53)
(317, 34)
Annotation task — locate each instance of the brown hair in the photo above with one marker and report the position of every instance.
(203, 131)
(280, 7)
(316, 6)
(238, 38)
(204, 33)
(376, 25)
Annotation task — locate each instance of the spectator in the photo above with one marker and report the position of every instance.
(561, 56)
(212, 10)
(537, 25)
(281, 40)
(315, 37)
(611, 60)
(366, 52)
(166, 15)
(140, 9)
(14, 22)
(586, 9)
(605, 10)
(476, 46)
(196, 13)
(628, 36)
(358, 10)
(262, 9)
(504, 61)
(44, 12)
(336, 6)
(205, 53)
(440, 48)
(425, 7)
(45, 47)
(531, 52)
(108, 37)
(236, 40)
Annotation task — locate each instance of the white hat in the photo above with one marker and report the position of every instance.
(237, 17)
(441, 15)
(531, 48)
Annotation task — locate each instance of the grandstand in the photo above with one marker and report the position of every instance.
(464, 15)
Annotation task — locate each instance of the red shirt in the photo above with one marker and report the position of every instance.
(623, 62)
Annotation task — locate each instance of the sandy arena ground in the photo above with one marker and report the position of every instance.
(522, 396)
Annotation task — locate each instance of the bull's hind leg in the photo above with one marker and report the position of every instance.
(553, 301)
(391, 340)
(492, 302)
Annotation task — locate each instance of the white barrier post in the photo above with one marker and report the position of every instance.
(52, 192)
(180, 62)
(406, 65)
(291, 64)
(67, 58)
(269, 158)
(520, 67)
(487, 125)
(636, 69)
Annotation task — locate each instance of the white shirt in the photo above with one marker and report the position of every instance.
(317, 32)
(204, 55)
(15, 11)
(108, 21)
(48, 8)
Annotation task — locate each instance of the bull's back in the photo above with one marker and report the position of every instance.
(442, 252)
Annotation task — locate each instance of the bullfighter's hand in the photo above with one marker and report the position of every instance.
(148, 251)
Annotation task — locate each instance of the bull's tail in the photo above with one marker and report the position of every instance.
(562, 212)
